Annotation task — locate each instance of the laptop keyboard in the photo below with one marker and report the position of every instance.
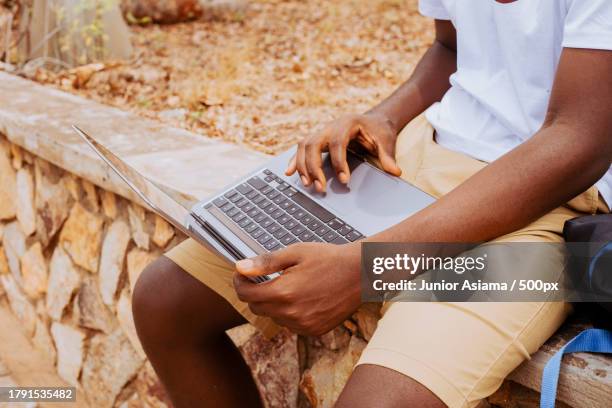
(275, 214)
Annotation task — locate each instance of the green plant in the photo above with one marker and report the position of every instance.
(84, 38)
(74, 32)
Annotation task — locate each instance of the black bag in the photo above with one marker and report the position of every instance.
(595, 270)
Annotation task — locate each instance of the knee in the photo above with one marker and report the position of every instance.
(377, 386)
(157, 300)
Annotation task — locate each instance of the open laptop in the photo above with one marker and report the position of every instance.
(266, 210)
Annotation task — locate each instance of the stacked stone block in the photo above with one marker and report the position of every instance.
(69, 256)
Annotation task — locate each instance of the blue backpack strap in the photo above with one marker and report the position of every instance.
(593, 340)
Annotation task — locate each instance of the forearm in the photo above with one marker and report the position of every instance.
(427, 84)
(521, 186)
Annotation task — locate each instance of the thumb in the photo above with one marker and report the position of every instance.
(386, 155)
(267, 263)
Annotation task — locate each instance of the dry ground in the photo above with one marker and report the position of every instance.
(265, 74)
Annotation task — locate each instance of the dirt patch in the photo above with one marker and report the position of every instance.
(264, 74)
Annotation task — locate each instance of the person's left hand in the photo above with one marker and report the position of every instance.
(318, 289)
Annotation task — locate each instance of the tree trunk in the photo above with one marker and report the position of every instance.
(73, 32)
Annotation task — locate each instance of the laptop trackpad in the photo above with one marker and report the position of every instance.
(369, 192)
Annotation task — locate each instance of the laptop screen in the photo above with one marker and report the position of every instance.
(149, 192)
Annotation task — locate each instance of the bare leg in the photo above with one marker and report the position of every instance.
(181, 324)
(372, 386)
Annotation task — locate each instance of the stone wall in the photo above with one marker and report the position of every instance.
(70, 254)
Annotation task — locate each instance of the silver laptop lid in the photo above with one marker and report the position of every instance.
(156, 198)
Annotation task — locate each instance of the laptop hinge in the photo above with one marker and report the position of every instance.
(235, 252)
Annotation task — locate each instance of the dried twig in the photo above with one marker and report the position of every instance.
(39, 62)
(7, 38)
(45, 41)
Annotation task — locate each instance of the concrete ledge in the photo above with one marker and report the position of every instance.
(39, 119)
(585, 379)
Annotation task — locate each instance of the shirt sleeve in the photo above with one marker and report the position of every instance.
(434, 9)
(588, 24)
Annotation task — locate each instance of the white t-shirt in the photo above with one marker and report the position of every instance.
(507, 56)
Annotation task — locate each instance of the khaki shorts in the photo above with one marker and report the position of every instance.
(460, 351)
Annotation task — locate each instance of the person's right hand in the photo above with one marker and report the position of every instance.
(373, 131)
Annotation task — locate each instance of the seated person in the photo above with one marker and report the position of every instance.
(513, 145)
